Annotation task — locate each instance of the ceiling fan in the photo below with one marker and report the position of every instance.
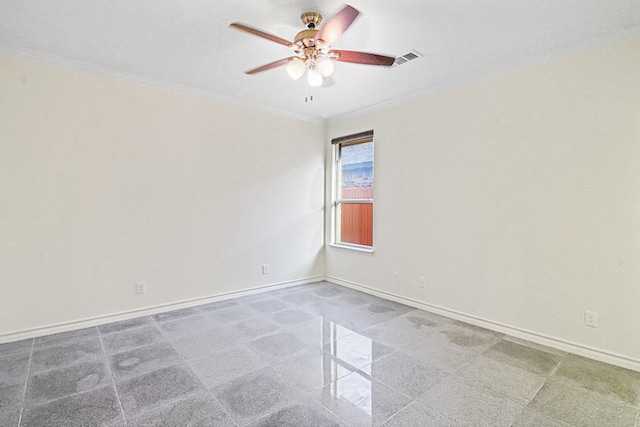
(312, 47)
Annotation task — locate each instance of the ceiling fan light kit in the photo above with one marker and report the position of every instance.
(313, 47)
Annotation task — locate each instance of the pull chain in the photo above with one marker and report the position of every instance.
(307, 97)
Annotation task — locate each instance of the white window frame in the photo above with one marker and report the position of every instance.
(358, 138)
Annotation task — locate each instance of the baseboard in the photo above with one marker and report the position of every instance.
(557, 343)
(126, 315)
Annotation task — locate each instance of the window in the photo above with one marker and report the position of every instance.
(353, 191)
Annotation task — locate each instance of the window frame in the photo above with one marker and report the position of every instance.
(337, 201)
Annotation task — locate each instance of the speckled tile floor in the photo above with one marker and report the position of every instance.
(311, 355)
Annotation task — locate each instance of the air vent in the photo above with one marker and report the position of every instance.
(414, 54)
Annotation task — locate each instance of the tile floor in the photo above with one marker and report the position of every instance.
(311, 355)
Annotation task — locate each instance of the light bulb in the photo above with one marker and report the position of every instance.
(325, 66)
(314, 78)
(296, 68)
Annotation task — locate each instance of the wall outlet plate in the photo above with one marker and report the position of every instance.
(141, 287)
(591, 319)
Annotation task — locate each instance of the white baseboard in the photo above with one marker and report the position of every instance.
(557, 343)
(126, 315)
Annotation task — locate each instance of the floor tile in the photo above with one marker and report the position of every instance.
(124, 325)
(523, 357)
(311, 370)
(291, 316)
(581, 407)
(131, 338)
(387, 310)
(300, 298)
(218, 305)
(535, 346)
(323, 307)
(317, 355)
(468, 405)
(467, 335)
(361, 400)
(405, 374)
(143, 359)
(85, 350)
(196, 410)
(226, 365)
(16, 347)
(281, 344)
(46, 386)
(616, 383)
(318, 331)
(178, 328)
(10, 418)
(251, 329)
(94, 408)
(451, 347)
(354, 300)
(531, 418)
(204, 343)
(299, 414)
(501, 379)
(409, 329)
(258, 296)
(65, 337)
(353, 320)
(175, 314)
(329, 290)
(153, 389)
(415, 415)
(11, 397)
(230, 316)
(254, 395)
(357, 350)
(13, 368)
(269, 305)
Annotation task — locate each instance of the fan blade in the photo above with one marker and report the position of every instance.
(270, 65)
(333, 29)
(261, 33)
(362, 58)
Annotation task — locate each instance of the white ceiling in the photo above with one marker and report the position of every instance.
(188, 45)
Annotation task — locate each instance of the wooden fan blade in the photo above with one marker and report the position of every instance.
(362, 58)
(270, 65)
(333, 29)
(261, 33)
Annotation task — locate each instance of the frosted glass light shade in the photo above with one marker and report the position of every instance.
(325, 66)
(314, 78)
(295, 68)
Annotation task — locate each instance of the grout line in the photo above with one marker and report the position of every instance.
(186, 363)
(26, 381)
(636, 423)
(113, 382)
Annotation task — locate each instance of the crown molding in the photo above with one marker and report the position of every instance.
(492, 73)
(85, 67)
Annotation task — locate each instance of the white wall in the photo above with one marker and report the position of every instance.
(105, 183)
(518, 199)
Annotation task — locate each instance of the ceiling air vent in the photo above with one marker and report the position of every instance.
(414, 54)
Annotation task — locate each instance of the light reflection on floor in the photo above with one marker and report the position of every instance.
(357, 351)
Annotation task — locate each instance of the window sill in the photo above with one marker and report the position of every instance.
(356, 248)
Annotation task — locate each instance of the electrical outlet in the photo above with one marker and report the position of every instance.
(396, 277)
(141, 288)
(591, 319)
(265, 268)
(423, 281)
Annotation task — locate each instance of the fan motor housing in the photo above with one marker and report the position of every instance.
(306, 38)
